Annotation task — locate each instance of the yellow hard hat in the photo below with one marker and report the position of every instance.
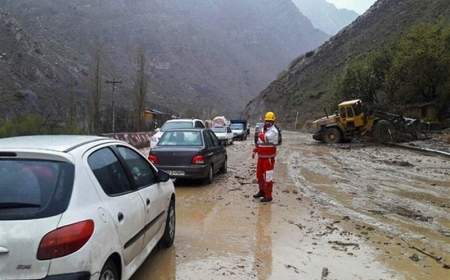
(270, 117)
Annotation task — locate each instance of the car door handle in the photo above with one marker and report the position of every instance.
(210, 154)
(147, 202)
(120, 216)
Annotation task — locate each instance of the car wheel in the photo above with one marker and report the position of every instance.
(109, 271)
(332, 135)
(210, 178)
(224, 169)
(169, 232)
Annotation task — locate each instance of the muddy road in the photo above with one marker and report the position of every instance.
(341, 212)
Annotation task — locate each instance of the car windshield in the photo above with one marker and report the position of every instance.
(219, 129)
(237, 126)
(33, 188)
(181, 138)
(177, 125)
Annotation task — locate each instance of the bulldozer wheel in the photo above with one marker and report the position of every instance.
(383, 132)
(332, 135)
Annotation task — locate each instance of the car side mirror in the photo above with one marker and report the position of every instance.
(162, 176)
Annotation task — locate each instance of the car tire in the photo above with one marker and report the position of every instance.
(109, 271)
(168, 238)
(332, 135)
(224, 169)
(210, 179)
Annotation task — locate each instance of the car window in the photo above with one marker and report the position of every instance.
(177, 125)
(237, 126)
(208, 139)
(109, 172)
(214, 139)
(199, 125)
(219, 129)
(181, 138)
(143, 174)
(31, 189)
(350, 112)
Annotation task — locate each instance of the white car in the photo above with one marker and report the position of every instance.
(224, 134)
(175, 124)
(80, 207)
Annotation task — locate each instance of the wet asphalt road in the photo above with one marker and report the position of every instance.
(341, 212)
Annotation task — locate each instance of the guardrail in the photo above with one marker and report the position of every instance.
(137, 139)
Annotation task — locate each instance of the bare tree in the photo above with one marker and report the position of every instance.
(140, 91)
(96, 94)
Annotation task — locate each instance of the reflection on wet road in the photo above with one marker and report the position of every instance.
(337, 214)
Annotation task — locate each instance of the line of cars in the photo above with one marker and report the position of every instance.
(89, 208)
(185, 148)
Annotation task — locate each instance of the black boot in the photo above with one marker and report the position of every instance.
(258, 195)
(265, 199)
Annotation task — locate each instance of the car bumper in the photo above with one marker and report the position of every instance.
(70, 276)
(191, 171)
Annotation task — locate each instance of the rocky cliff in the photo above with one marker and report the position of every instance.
(325, 16)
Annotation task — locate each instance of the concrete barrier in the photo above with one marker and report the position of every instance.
(139, 140)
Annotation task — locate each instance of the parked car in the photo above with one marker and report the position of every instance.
(80, 207)
(240, 130)
(175, 124)
(258, 128)
(190, 153)
(224, 134)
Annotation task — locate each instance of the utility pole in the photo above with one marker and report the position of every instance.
(296, 121)
(113, 84)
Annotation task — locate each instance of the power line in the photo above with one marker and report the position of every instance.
(113, 84)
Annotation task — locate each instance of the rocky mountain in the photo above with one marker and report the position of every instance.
(204, 57)
(307, 85)
(325, 16)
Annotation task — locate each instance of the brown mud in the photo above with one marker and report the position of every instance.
(339, 212)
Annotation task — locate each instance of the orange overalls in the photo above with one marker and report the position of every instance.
(266, 163)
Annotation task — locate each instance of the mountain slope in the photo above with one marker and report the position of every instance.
(201, 54)
(307, 85)
(24, 60)
(325, 16)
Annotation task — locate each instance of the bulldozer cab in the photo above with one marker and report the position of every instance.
(352, 114)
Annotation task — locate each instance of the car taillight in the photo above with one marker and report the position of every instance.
(198, 159)
(65, 240)
(153, 159)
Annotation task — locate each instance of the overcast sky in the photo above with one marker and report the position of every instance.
(357, 5)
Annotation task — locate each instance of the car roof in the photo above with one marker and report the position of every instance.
(350, 102)
(186, 129)
(183, 120)
(58, 143)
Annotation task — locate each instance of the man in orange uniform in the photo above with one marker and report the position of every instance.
(266, 148)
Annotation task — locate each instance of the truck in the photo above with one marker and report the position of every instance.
(353, 119)
(240, 129)
(220, 121)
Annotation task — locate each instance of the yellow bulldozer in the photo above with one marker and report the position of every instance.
(354, 120)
